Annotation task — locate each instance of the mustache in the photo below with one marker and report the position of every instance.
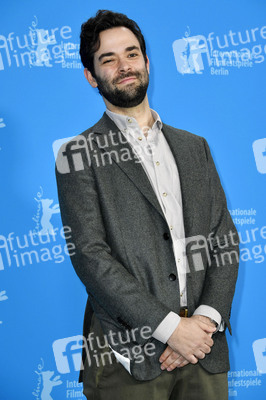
(127, 75)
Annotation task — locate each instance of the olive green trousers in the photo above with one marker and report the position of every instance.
(191, 382)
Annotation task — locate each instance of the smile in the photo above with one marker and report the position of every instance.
(127, 80)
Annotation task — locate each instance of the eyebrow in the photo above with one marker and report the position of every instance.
(111, 53)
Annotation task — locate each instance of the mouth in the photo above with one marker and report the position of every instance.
(127, 80)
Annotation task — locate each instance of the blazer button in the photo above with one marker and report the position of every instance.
(172, 277)
(166, 236)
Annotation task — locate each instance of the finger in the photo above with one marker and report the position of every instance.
(205, 348)
(175, 364)
(182, 364)
(185, 362)
(172, 357)
(199, 354)
(209, 341)
(203, 319)
(178, 363)
(206, 327)
(192, 359)
(165, 354)
(170, 360)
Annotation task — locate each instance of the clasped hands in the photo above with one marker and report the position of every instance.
(191, 341)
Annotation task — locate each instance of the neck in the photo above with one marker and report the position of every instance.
(142, 112)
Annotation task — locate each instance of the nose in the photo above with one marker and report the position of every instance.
(124, 65)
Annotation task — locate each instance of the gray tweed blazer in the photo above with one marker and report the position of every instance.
(124, 253)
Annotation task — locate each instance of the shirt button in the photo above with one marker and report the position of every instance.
(164, 194)
(129, 120)
(178, 260)
(166, 236)
(139, 138)
(157, 163)
(172, 277)
(171, 227)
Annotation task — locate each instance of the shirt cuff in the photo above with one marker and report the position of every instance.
(211, 313)
(165, 329)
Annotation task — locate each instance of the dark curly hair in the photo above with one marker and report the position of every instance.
(90, 30)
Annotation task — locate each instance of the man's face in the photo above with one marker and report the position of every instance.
(121, 74)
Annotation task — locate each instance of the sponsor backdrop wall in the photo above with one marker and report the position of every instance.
(207, 76)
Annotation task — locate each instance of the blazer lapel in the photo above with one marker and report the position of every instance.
(135, 172)
(129, 163)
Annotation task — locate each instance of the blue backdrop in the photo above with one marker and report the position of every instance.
(208, 77)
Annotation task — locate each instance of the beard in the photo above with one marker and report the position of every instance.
(131, 95)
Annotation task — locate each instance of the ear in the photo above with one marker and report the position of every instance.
(147, 64)
(90, 78)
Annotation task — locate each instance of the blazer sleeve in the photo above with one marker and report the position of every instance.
(221, 275)
(107, 281)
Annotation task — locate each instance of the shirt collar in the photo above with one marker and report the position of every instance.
(124, 122)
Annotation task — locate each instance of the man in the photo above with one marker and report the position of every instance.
(155, 244)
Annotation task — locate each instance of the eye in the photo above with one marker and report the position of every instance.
(107, 61)
(131, 55)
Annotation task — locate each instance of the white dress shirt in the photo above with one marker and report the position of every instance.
(158, 162)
